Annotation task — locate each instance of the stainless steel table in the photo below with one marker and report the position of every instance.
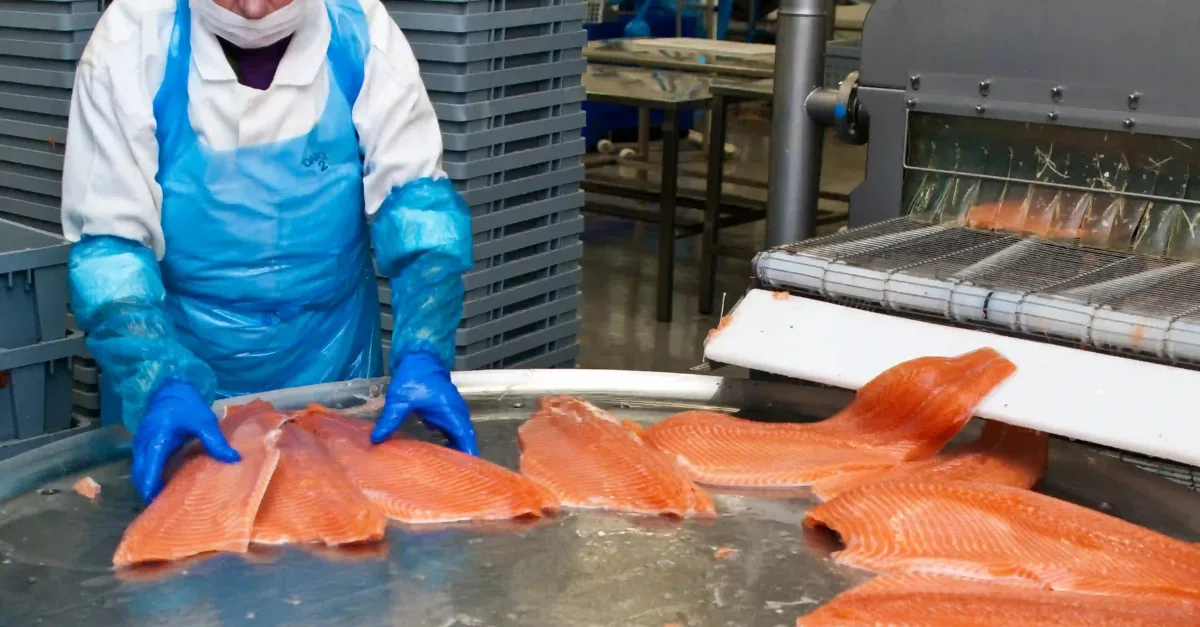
(670, 92)
(578, 569)
(724, 92)
(724, 58)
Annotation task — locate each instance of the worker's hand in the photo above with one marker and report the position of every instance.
(176, 414)
(421, 385)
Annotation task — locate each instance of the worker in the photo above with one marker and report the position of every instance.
(229, 164)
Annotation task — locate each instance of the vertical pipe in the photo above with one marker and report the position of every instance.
(795, 174)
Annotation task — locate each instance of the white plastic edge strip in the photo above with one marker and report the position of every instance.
(1131, 405)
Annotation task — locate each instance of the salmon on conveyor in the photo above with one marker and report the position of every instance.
(590, 460)
(999, 533)
(908, 412)
(418, 482)
(209, 505)
(938, 601)
(1003, 454)
(310, 499)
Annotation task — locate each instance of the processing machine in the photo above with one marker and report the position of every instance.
(1033, 184)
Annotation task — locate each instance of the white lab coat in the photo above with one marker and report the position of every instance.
(109, 183)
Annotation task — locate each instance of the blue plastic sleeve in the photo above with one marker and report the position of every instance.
(117, 297)
(422, 238)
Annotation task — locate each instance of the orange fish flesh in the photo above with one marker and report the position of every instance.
(999, 533)
(1003, 454)
(936, 601)
(910, 411)
(418, 482)
(589, 460)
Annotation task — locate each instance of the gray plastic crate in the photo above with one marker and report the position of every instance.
(471, 7)
(48, 45)
(520, 67)
(561, 108)
(561, 232)
(486, 75)
(470, 164)
(500, 214)
(841, 58)
(28, 152)
(80, 422)
(493, 315)
(477, 300)
(33, 286)
(50, 15)
(521, 180)
(20, 204)
(35, 398)
(40, 127)
(517, 132)
(434, 49)
(50, 101)
(515, 346)
(53, 228)
(427, 16)
(504, 99)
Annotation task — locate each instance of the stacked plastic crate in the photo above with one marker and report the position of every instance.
(40, 43)
(505, 79)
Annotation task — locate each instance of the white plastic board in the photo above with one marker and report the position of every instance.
(1131, 405)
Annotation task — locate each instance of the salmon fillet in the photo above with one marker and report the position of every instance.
(87, 488)
(589, 460)
(419, 482)
(934, 601)
(1000, 533)
(208, 505)
(310, 499)
(1003, 454)
(910, 411)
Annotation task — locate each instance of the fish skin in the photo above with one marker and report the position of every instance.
(915, 600)
(1003, 454)
(208, 505)
(420, 483)
(589, 460)
(999, 533)
(310, 499)
(908, 412)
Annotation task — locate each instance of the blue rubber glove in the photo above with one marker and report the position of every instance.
(421, 385)
(176, 414)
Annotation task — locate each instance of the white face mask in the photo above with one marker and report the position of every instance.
(245, 33)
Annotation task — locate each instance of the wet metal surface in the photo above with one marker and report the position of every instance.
(659, 89)
(576, 569)
(586, 569)
(754, 61)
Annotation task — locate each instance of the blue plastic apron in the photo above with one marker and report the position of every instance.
(268, 267)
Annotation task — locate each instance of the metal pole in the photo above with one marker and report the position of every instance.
(795, 174)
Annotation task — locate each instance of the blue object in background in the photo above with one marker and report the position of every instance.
(603, 119)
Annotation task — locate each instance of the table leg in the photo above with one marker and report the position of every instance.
(666, 221)
(712, 203)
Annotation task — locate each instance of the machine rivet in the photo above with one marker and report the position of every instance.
(1135, 99)
(1057, 93)
(1129, 122)
(979, 109)
(1052, 116)
(984, 87)
(912, 103)
(915, 81)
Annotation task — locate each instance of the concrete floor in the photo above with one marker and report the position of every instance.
(620, 265)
